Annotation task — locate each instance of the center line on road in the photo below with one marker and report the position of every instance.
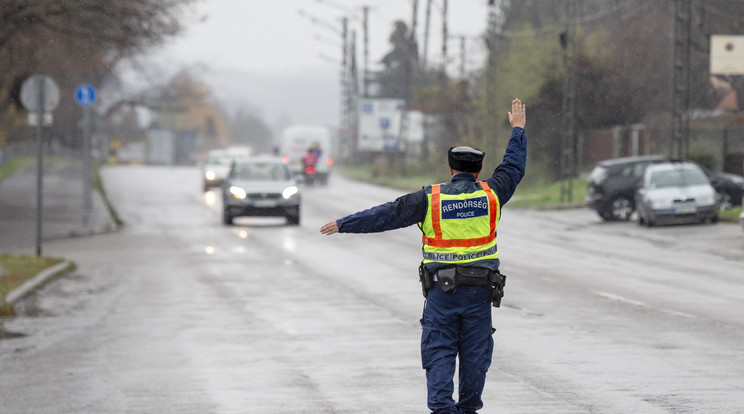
(620, 299)
(678, 313)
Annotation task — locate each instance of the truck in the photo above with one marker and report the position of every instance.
(297, 140)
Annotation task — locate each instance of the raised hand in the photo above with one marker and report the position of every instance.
(518, 114)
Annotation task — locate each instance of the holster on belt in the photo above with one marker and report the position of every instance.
(496, 288)
(426, 278)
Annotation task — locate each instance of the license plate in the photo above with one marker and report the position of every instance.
(685, 210)
(264, 203)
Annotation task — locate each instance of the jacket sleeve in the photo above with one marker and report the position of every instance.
(403, 212)
(511, 170)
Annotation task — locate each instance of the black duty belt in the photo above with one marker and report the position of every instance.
(463, 276)
(449, 279)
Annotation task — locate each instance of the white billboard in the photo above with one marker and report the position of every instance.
(380, 125)
(726, 55)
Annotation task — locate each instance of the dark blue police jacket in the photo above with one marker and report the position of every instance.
(412, 208)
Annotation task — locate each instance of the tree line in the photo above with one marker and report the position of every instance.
(74, 42)
(620, 55)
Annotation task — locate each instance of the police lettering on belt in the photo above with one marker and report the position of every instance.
(459, 272)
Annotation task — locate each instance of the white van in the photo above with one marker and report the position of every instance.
(298, 139)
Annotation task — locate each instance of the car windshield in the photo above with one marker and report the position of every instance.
(678, 177)
(261, 172)
(219, 160)
(598, 174)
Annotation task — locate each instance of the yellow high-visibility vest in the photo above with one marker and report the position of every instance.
(460, 228)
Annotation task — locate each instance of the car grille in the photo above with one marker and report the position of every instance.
(264, 196)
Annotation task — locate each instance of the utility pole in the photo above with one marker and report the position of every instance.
(462, 57)
(349, 77)
(443, 74)
(426, 33)
(353, 98)
(344, 75)
(414, 19)
(491, 104)
(365, 22)
(444, 37)
(681, 79)
(412, 56)
(567, 162)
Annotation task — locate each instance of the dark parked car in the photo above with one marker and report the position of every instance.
(612, 185)
(730, 187)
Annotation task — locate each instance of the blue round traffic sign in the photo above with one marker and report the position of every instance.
(85, 95)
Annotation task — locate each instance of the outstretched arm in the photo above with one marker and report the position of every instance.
(329, 228)
(406, 210)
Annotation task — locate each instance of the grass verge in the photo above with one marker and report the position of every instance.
(731, 214)
(391, 176)
(17, 270)
(549, 195)
(98, 185)
(13, 165)
(528, 194)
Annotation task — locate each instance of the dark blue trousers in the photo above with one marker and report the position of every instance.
(456, 324)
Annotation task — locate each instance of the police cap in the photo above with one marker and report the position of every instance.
(465, 159)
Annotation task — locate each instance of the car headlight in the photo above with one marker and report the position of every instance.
(289, 192)
(707, 200)
(238, 192)
(210, 175)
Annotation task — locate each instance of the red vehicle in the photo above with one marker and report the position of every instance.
(297, 140)
(309, 162)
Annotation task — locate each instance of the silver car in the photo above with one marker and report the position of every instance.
(260, 186)
(215, 168)
(677, 191)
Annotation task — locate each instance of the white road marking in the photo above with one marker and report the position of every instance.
(619, 298)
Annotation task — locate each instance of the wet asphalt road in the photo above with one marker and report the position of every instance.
(176, 313)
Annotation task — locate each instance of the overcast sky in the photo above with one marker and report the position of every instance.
(246, 48)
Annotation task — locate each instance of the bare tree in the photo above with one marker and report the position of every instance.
(75, 41)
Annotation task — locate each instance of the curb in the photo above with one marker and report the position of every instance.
(32, 284)
(109, 227)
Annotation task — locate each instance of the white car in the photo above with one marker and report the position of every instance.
(676, 191)
(215, 168)
(260, 186)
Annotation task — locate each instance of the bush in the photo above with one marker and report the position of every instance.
(703, 155)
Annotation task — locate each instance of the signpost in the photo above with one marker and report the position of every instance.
(383, 128)
(727, 55)
(40, 96)
(85, 96)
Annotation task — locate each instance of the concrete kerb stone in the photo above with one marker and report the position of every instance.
(107, 227)
(38, 280)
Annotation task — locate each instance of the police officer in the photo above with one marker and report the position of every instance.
(458, 220)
